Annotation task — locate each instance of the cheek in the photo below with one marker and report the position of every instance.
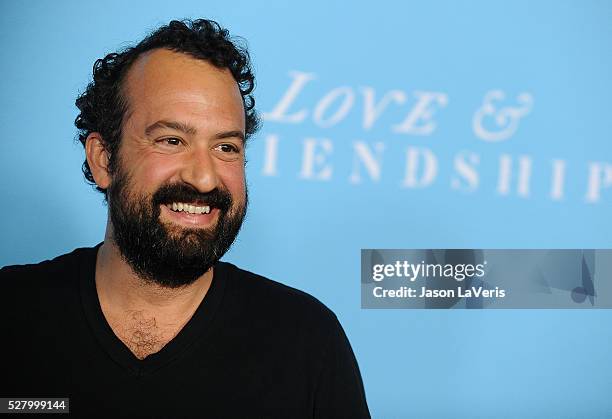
(233, 178)
(152, 170)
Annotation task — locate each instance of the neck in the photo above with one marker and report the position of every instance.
(122, 290)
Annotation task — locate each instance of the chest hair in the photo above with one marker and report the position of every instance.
(142, 334)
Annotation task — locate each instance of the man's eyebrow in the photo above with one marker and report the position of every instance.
(230, 134)
(179, 126)
(189, 129)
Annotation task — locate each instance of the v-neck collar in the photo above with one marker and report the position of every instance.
(196, 327)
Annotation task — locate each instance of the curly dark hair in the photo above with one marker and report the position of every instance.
(103, 106)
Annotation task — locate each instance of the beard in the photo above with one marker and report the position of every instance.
(165, 254)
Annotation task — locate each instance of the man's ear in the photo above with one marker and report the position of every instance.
(98, 159)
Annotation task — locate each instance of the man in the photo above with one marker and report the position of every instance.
(149, 322)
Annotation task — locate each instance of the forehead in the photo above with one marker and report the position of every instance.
(167, 84)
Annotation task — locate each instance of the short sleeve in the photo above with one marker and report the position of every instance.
(339, 392)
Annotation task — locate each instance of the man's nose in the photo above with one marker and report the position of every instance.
(199, 170)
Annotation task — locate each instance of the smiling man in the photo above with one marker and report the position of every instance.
(149, 322)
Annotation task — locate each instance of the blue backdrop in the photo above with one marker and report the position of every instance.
(434, 124)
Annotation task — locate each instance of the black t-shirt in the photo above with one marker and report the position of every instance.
(254, 348)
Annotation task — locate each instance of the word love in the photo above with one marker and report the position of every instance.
(489, 123)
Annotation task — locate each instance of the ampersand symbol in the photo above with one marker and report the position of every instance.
(505, 119)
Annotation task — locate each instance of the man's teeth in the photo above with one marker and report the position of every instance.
(192, 209)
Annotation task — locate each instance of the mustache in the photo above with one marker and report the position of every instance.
(180, 192)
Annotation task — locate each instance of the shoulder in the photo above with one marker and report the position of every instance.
(33, 284)
(267, 297)
(38, 273)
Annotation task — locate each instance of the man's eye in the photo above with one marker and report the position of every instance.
(228, 148)
(169, 141)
